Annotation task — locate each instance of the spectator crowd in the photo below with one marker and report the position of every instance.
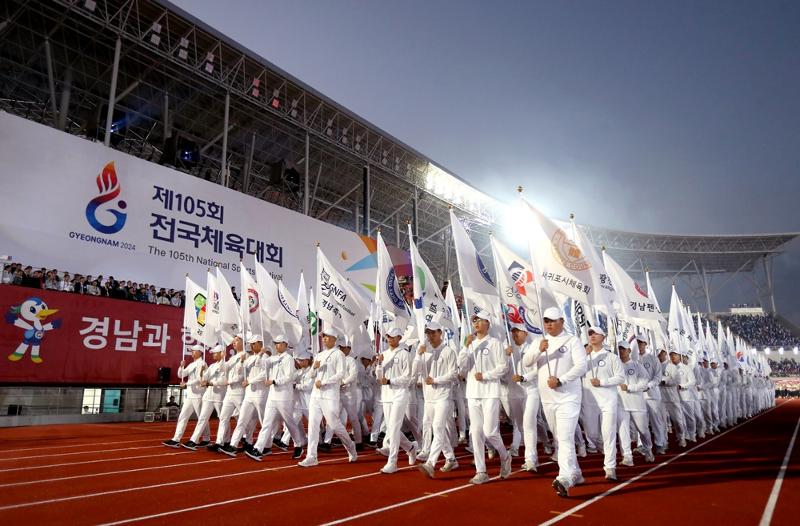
(785, 367)
(16, 274)
(761, 331)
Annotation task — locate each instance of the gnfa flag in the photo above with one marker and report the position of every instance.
(195, 309)
(515, 281)
(428, 301)
(388, 299)
(478, 288)
(339, 305)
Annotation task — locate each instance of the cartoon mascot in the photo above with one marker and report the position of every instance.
(29, 316)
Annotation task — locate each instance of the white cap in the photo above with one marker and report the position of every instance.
(197, 347)
(597, 330)
(624, 344)
(482, 314)
(280, 338)
(218, 348)
(519, 327)
(330, 331)
(302, 354)
(433, 326)
(553, 313)
(252, 337)
(394, 332)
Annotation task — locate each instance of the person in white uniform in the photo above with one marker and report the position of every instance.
(512, 394)
(561, 362)
(484, 362)
(348, 396)
(215, 379)
(234, 394)
(280, 403)
(686, 390)
(652, 396)
(328, 371)
(193, 401)
(527, 378)
(600, 407)
(670, 395)
(437, 364)
(633, 406)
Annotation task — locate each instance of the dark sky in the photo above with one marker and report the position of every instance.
(674, 117)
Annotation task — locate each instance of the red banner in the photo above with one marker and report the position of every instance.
(51, 337)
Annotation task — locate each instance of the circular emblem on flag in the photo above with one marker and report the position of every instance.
(630, 372)
(252, 300)
(567, 252)
(392, 290)
(484, 272)
(562, 349)
(601, 363)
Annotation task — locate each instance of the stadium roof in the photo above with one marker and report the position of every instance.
(176, 77)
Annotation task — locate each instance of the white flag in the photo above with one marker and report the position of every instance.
(340, 305)
(388, 297)
(229, 319)
(677, 331)
(211, 336)
(479, 290)
(515, 280)
(633, 301)
(428, 301)
(194, 310)
(291, 326)
(250, 303)
(603, 294)
(303, 313)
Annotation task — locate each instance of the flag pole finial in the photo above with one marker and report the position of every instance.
(519, 189)
(647, 269)
(449, 207)
(408, 221)
(571, 216)
(603, 248)
(317, 244)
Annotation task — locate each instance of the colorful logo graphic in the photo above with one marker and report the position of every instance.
(393, 291)
(567, 252)
(109, 188)
(200, 309)
(252, 300)
(483, 271)
(29, 316)
(639, 290)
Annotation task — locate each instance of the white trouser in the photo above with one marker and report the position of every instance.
(601, 423)
(484, 428)
(347, 411)
(530, 425)
(229, 405)
(655, 414)
(394, 412)
(688, 417)
(298, 412)
(675, 412)
(251, 412)
(515, 409)
(319, 407)
(191, 406)
(563, 419)
(203, 428)
(441, 412)
(640, 421)
(275, 411)
(427, 426)
(412, 420)
(700, 422)
(461, 409)
(377, 420)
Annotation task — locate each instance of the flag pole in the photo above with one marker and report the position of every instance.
(503, 310)
(538, 296)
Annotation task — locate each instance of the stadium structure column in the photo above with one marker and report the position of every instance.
(225, 122)
(415, 212)
(366, 189)
(770, 285)
(66, 93)
(50, 78)
(112, 94)
(306, 185)
(167, 128)
(706, 288)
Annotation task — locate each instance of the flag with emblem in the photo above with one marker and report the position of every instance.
(195, 310)
(229, 316)
(340, 305)
(389, 299)
(428, 301)
(477, 285)
(515, 282)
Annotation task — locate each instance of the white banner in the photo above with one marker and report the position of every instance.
(75, 205)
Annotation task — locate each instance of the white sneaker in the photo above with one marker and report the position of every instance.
(579, 479)
(648, 456)
(422, 456)
(581, 451)
(530, 467)
(611, 474)
(514, 451)
(412, 455)
(627, 461)
(389, 469)
(462, 439)
(427, 469)
(449, 465)
(308, 462)
(479, 478)
(352, 456)
(548, 450)
(505, 467)
(682, 443)
(383, 451)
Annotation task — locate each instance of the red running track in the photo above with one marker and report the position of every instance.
(118, 473)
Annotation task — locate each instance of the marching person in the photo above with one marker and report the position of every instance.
(600, 406)
(633, 405)
(484, 363)
(303, 384)
(215, 379)
(436, 363)
(652, 396)
(256, 369)
(234, 393)
(670, 394)
(328, 371)
(280, 403)
(686, 391)
(193, 373)
(512, 394)
(397, 379)
(348, 396)
(527, 378)
(561, 362)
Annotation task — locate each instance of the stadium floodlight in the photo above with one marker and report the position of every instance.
(293, 111)
(780, 351)
(255, 91)
(275, 102)
(183, 48)
(385, 158)
(90, 5)
(155, 36)
(795, 349)
(329, 128)
(210, 63)
(767, 350)
(358, 143)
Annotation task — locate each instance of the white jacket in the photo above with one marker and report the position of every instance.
(485, 356)
(256, 368)
(283, 376)
(440, 363)
(636, 380)
(672, 379)
(653, 369)
(397, 367)
(567, 359)
(329, 373)
(193, 374)
(606, 367)
(508, 387)
(687, 383)
(216, 376)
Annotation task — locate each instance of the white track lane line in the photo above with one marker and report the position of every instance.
(92, 461)
(645, 473)
(56, 446)
(766, 518)
(79, 453)
(161, 485)
(252, 497)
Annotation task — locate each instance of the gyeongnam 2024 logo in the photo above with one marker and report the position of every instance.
(110, 189)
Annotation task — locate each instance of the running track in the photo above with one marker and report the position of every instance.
(120, 474)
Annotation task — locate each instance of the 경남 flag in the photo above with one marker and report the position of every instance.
(195, 310)
(428, 301)
(479, 290)
(339, 305)
(388, 298)
(557, 260)
(515, 281)
(634, 301)
(229, 319)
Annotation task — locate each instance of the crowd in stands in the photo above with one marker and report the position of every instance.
(785, 367)
(16, 274)
(761, 331)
